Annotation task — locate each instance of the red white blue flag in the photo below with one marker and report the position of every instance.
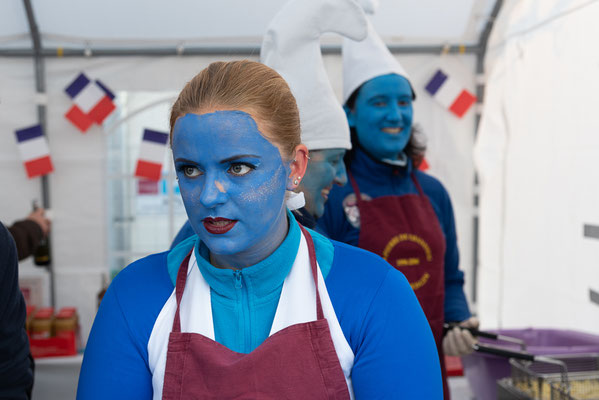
(34, 150)
(151, 154)
(92, 102)
(450, 94)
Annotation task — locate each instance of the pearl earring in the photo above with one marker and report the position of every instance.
(295, 182)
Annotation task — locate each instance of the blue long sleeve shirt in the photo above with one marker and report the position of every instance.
(377, 179)
(395, 354)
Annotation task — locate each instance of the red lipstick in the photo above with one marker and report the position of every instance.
(218, 226)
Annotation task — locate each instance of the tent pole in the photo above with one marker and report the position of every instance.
(480, 92)
(40, 86)
(219, 50)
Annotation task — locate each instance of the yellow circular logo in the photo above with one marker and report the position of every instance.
(409, 261)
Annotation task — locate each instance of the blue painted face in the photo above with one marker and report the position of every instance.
(382, 116)
(325, 168)
(232, 182)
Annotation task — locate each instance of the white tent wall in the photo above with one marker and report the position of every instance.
(78, 190)
(537, 154)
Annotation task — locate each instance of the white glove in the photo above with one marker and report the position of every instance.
(459, 342)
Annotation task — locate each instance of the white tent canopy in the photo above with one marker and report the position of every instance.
(152, 23)
(147, 36)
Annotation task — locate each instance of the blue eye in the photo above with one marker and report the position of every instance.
(190, 171)
(240, 169)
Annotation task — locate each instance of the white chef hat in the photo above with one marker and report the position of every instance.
(367, 59)
(369, 6)
(291, 47)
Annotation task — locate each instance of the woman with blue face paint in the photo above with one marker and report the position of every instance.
(388, 206)
(254, 305)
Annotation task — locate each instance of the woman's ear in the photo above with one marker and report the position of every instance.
(298, 166)
(351, 116)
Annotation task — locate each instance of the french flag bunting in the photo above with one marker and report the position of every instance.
(35, 154)
(450, 94)
(92, 102)
(151, 154)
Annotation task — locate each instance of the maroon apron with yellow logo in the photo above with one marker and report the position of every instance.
(405, 231)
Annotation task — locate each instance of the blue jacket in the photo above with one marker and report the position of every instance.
(395, 353)
(377, 179)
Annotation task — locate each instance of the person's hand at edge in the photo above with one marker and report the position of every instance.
(39, 217)
(459, 342)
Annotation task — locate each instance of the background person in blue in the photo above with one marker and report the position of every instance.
(388, 206)
(253, 306)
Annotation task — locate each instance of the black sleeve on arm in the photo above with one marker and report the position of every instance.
(27, 235)
(16, 374)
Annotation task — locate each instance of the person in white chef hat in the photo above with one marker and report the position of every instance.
(291, 47)
(389, 207)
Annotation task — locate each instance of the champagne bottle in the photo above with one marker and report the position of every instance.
(41, 256)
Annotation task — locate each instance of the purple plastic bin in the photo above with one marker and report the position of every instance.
(483, 370)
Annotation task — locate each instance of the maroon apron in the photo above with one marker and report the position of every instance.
(298, 362)
(405, 231)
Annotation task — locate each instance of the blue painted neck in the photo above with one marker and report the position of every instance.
(255, 254)
(264, 276)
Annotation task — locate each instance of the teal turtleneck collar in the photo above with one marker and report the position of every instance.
(284, 256)
(264, 276)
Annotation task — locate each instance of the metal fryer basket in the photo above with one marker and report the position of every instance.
(582, 386)
(563, 377)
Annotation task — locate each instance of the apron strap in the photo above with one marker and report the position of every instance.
(312, 253)
(417, 184)
(354, 186)
(181, 279)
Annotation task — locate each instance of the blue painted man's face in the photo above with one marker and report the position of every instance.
(382, 116)
(232, 180)
(325, 168)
